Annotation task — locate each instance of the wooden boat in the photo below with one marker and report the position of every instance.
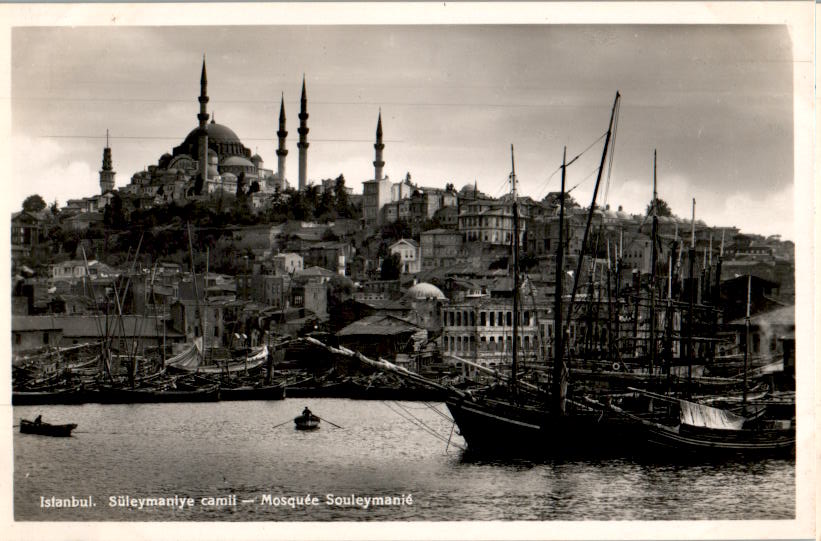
(115, 395)
(252, 392)
(189, 362)
(46, 429)
(306, 421)
(706, 431)
(73, 395)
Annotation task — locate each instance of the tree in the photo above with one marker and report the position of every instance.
(391, 267)
(552, 199)
(254, 187)
(54, 208)
(34, 203)
(662, 208)
(395, 230)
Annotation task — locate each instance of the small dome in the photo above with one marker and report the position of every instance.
(229, 177)
(425, 290)
(236, 161)
(256, 158)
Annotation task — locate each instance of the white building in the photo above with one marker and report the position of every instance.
(409, 257)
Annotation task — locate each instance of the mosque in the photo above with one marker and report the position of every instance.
(212, 158)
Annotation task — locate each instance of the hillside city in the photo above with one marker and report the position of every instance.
(209, 243)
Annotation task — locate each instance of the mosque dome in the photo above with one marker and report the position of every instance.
(424, 290)
(217, 133)
(221, 139)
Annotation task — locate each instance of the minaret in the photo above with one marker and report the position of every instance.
(378, 162)
(203, 119)
(302, 145)
(281, 150)
(107, 172)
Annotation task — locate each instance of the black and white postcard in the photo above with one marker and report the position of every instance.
(412, 270)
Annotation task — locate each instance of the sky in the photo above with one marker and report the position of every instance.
(715, 101)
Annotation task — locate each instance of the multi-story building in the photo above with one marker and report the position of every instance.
(287, 263)
(491, 221)
(376, 193)
(480, 329)
(408, 252)
(440, 248)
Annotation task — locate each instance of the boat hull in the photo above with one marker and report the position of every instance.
(306, 423)
(45, 429)
(690, 440)
(274, 392)
(509, 430)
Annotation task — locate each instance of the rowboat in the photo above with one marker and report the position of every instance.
(46, 429)
(306, 421)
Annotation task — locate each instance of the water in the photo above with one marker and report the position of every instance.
(232, 448)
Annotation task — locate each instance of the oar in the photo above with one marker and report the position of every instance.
(285, 423)
(327, 421)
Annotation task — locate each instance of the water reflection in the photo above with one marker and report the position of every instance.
(202, 450)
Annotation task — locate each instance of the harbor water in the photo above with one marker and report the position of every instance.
(228, 461)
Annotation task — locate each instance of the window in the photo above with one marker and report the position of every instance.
(527, 317)
(458, 319)
(500, 318)
(492, 319)
(482, 319)
(18, 338)
(45, 338)
(473, 319)
(509, 319)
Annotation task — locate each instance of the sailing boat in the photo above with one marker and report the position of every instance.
(522, 418)
(690, 427)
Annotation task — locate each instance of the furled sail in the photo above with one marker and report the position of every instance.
(706, 416)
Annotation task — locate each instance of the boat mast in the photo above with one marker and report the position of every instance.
(690, 352)
(747, 338)
(653, 264)
(196, 292)
(593, 204)
(514, 363)
(559, 380)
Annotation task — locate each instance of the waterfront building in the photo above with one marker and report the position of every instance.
(480, 329)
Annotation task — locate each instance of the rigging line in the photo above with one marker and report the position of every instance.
(588, 177)
(410, 418)
(612, 154)
(438, 412)
(579, 155)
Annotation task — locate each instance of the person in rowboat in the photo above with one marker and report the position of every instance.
(306, 412)
(38, 420)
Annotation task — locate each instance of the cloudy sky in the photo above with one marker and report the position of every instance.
(715, 101)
